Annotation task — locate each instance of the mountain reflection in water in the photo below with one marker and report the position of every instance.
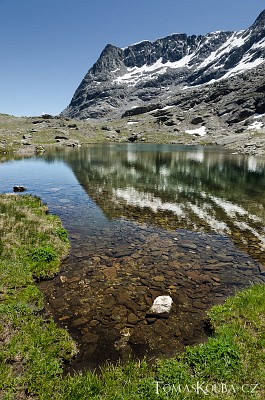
(198, 189)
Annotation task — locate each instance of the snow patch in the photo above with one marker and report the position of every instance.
(115, 70)
(255, 125)
(166, 107)
(134, 44)
(236, 40)
(136, 74)
(257, 116)
(243, 65)
(259, 45)
(199, 131)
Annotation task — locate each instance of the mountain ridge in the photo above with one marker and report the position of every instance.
(163, 69)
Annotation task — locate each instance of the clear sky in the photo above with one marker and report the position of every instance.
(47, 46)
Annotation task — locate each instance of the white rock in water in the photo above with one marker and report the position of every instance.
(162, 304)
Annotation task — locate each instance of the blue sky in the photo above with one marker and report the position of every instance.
(47, 46)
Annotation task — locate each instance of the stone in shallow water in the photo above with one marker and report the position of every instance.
(19, 189)
(132, 319)
(160, 307)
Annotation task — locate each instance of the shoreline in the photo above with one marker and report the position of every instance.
(26, 136)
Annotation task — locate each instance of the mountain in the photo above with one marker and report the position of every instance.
(221, 73)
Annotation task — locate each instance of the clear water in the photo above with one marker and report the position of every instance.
(146, 220)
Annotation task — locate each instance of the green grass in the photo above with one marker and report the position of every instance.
(33, 350)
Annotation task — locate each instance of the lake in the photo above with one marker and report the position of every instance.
(146, 220)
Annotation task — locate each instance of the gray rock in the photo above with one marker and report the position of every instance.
(73, 143)
(38, 121)
(73, 126)
(47, 116)
(134, 137)
(240, 115)
(59, 138)
(112, 132)
(197, 120)
(25, 142)
(27, 136)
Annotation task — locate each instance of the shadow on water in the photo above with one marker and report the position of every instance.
(144, 221)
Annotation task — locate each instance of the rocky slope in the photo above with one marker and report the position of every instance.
(183, 71)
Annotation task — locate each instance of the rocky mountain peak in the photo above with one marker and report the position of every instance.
(260, 21)
(108, 59)
(156, 71)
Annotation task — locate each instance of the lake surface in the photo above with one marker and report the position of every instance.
(146, 220)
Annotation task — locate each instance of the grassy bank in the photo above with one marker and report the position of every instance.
(33, 350)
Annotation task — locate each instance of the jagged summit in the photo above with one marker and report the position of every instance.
(260, 20)
(155, 71)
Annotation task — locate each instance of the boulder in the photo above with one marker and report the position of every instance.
(112, 133)
(47, 116)
(240, 115)
(140, 110)
(197, 120)
(161, 307)
(65, 141)
(73, 126)
(38, 121)
(134, 137)
(25, 142)
(19, 188)
(27, 136)
(73, 143)
(59, 137)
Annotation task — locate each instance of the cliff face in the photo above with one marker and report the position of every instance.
(163, 70)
